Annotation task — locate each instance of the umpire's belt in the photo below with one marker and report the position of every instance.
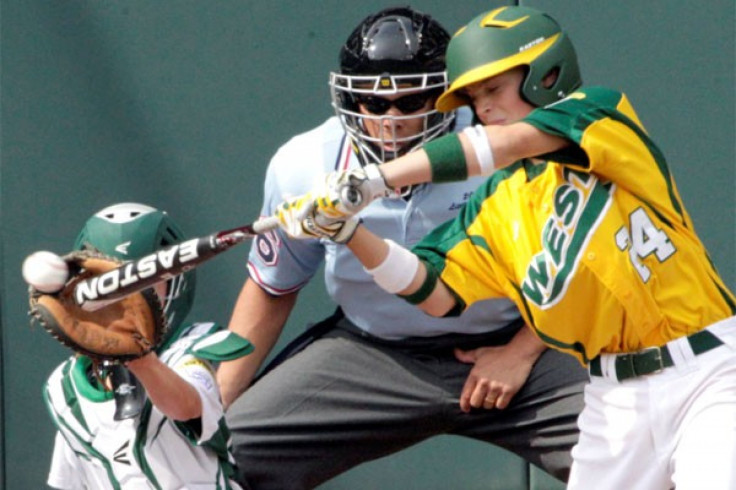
(653, 359)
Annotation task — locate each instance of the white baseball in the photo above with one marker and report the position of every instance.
(45, 271)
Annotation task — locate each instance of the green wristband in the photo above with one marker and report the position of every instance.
(418, 296)
(447, 159)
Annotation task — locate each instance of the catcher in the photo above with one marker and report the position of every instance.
(142, 411)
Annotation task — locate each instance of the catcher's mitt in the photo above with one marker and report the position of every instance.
(124, 330)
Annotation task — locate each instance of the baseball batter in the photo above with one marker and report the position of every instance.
(380, 376)
(163, 426)
(582, 226)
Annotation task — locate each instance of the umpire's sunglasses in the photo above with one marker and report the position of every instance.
(406, 104)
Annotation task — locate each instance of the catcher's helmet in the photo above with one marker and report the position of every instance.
(505, 38)
(395, 51)
(129, 231)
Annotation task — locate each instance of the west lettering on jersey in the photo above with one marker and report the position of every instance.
(578, 206)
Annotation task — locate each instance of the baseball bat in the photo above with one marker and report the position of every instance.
(98, 291)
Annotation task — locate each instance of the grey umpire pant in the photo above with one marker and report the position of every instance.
(346, 399)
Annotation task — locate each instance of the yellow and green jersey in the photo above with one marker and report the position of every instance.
(594, 245)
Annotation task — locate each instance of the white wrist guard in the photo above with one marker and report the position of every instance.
(397, 270)
(479, 140)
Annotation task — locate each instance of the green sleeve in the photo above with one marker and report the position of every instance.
(570, 118)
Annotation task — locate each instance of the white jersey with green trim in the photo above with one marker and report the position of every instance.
(150, 451)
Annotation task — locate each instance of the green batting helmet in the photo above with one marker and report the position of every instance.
(129, 231)
(502, 39)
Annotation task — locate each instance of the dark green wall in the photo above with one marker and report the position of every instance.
(180, 104)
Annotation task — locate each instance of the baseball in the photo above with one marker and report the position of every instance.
(45, 271)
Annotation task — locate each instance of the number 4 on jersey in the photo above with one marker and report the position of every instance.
(642, 239)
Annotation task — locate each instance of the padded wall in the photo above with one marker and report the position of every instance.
(181, 104)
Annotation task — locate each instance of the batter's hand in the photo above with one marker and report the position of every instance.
(497, 375)
(347, 192)
(300, 219)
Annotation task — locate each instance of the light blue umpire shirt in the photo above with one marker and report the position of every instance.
(282, 265)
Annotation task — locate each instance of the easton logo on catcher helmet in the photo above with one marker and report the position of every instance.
(579, 205)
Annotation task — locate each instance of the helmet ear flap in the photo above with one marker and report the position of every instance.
(345, 99)
(560, 60)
